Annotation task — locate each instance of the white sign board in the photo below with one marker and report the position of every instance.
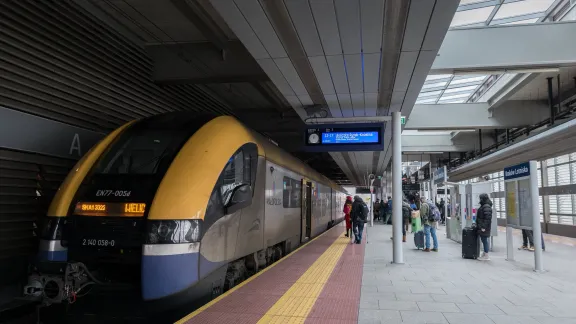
(440, 175)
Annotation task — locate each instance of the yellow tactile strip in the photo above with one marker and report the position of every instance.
(293, 307)
(293, 254)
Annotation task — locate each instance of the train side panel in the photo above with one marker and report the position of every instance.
(282, 206)
(320, 214)
(252, 220)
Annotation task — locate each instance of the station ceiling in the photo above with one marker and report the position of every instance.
(268, 61)
(265, 61)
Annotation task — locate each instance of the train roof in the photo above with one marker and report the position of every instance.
(284, 159)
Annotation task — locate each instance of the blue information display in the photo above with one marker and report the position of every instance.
(344, 137)
(517, 171)
(350, 137)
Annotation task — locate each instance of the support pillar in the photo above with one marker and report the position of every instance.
(536, 227)
(397, 255)
(545, 199)
(551, 101)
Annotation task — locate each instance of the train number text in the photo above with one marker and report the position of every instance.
(95, 242)
(115, 193)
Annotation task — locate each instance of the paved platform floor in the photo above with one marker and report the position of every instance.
(441, 287)
(318, 283)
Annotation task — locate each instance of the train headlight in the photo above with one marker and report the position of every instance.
(173, 231)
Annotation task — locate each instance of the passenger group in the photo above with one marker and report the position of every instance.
(423, 216)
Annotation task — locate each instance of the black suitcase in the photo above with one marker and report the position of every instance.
(470, 245)
(419, 239)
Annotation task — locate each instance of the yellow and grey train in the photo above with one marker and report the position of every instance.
(184, 206)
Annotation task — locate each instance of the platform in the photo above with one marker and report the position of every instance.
(444, 288)
(318, 283)
(330, 280)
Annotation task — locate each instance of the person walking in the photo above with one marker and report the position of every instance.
(406, 218)
(347, 210)
(429, 220)
(441, 207)
(383, 210)
(359, 217)
(389, 211)
(376, 212)
(484, 224)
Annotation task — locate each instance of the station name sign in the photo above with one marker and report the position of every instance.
(517, 171)
(344, 137)
(440, 175)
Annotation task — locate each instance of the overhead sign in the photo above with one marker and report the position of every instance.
(411, 187)
(403, 120)
(521, 170)
(349, 137)
(440, 175)
(344, 137)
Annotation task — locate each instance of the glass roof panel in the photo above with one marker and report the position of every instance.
(465, 2)
(472, 16)
(438, 76)
(461, 100)
(468, 88)
(473, 79)
(427, 100)
(462, 95)
(527, 21)
(434, 85)
(429, 94)
(522, 8)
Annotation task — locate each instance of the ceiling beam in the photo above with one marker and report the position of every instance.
(490, 48)
(515, 113)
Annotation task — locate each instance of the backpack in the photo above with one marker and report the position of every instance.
(361, 212)
(405, 212)
(433, 213)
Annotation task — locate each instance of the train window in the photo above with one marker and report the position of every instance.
(292, 193)
(141, 152)
(233, 175)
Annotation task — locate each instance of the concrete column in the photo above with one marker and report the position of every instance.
(536, 229)
(545, 199)
(431, 192)
(397, 256)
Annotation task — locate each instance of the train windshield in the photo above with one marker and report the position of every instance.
(142, 151)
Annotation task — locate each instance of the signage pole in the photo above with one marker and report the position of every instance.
(509, 244)
(536, 228)
(397, 256)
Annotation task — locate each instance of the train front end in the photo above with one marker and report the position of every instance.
(132, 214)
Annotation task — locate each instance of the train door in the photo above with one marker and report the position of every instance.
(306, 218)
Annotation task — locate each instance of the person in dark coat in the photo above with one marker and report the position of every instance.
(484, 223)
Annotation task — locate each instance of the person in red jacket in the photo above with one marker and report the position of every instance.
(347, 210)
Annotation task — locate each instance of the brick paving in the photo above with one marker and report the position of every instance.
(339, 300)
(250, 302)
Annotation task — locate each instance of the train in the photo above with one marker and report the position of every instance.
(182, 206)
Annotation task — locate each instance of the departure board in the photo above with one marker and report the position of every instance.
(344, 137)
(349, 137)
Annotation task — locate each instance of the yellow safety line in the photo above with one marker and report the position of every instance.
(295, 305)
(245, 282)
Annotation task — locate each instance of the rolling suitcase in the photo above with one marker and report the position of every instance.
(470, 245)
(419, 239)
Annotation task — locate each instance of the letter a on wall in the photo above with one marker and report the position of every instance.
(75, 146)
